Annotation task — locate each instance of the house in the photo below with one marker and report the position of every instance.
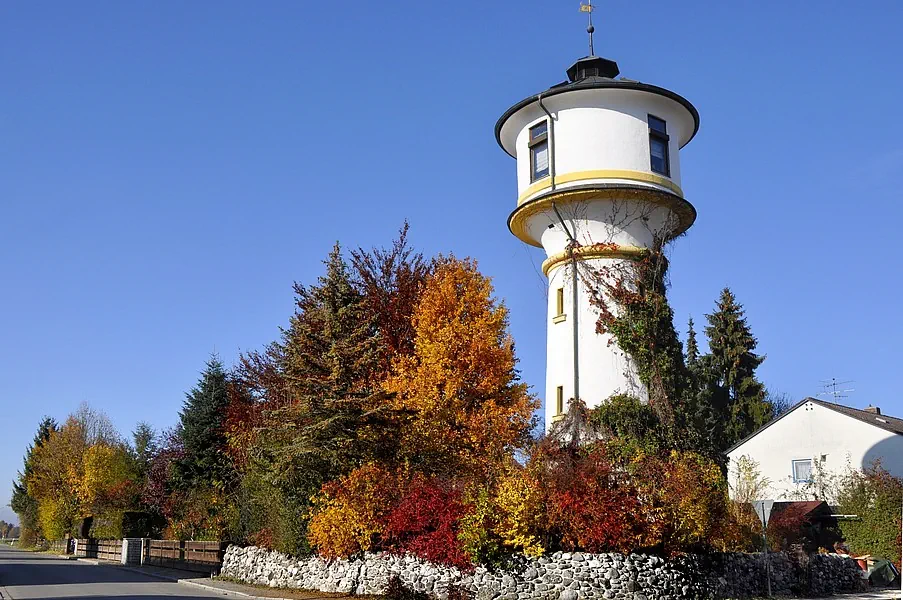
(818, 435)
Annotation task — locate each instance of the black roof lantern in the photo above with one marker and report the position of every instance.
(593, 66)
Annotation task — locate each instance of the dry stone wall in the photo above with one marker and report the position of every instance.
(559, 576)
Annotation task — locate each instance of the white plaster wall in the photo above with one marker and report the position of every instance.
(601, 221)
(605, 369)
(600, 129)
(815, 432)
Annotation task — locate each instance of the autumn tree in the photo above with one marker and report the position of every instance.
(58, 469)
(390, 281)
(24, 504)
(469, 410)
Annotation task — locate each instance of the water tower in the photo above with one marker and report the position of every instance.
(598, 182)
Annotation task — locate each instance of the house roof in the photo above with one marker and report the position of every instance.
(885, 422)
(805, 506)
(817, 510)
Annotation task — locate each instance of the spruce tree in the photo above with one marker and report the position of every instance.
(705, 402)
(731, 364)
(144, 447)
(692, 352)
(334, 417)
(200, 430)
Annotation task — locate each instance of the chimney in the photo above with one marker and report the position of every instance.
(873, 409)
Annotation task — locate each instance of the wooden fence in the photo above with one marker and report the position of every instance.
(202, 557)
(101, 549)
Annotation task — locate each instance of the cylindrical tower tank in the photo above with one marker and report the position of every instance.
(597, 160)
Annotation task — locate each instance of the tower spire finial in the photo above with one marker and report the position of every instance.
(588, 9)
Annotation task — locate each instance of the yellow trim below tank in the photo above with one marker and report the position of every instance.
(627, 174)
(597, 251)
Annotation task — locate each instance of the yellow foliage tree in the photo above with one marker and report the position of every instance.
(469, 410)
(57, 471)
(108, 478)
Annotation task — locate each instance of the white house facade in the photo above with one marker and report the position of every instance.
(820, 436)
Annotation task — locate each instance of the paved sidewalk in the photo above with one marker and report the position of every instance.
(875, 594)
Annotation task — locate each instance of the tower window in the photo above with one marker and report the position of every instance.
(559, 301)
(559, 400)
(658, 146)
(539, 151)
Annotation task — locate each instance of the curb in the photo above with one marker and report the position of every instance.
(226, 592)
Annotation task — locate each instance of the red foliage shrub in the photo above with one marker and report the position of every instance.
(426, 521)
(593, 505)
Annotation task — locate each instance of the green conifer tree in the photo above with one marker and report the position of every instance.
(731, 365)
(331, 353)
(144, 447)
(332, 415)
(200, 431)
(692, 352)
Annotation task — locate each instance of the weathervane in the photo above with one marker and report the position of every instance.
(588, 9)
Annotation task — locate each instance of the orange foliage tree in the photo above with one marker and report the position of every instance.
(469, 411)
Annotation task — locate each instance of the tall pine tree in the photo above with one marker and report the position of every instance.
(731, 365)
(200, 431)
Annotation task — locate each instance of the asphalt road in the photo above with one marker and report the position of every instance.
(32, 575)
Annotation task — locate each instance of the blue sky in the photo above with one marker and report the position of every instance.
(167, 169)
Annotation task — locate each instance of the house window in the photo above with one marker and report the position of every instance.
(539, 151)
(802, 471)
(658, 146)
(559, 400)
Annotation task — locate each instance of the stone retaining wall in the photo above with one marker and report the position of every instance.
(559, 576)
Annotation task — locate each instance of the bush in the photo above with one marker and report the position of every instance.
(426, 522)
(520, 513)
(592, 506)
(477, 529)
(350, 514)
(875, 495)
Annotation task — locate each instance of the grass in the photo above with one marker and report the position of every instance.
(295, 593)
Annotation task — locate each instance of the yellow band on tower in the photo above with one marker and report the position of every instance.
(594, 251)
(576, 176)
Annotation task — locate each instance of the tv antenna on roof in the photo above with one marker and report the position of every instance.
(831, 389)
(588, 9)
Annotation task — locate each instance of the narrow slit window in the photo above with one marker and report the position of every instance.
(539, 151)
(559, 400)
(559, 302)
(658, 146)
(802, 471)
